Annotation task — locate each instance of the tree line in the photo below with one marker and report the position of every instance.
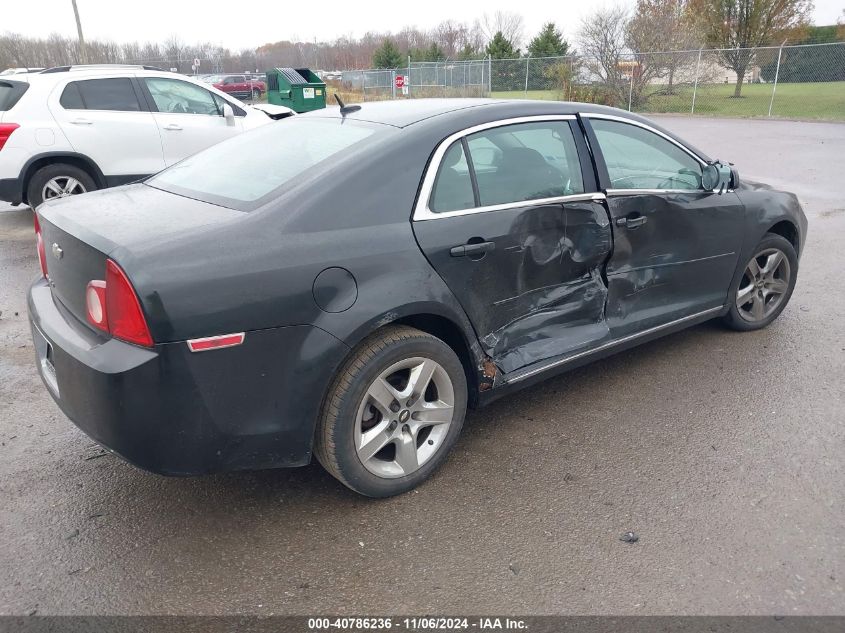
(604, 41)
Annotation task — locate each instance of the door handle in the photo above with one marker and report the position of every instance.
(172, 127)
(632, 223)
(470, 250)
(82, 121)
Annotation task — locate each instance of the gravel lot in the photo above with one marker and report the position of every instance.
(722, 451)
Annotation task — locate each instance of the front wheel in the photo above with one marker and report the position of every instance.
(765, 286)
(393, 412)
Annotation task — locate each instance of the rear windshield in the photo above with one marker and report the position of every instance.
(10, 93)
(251, 169)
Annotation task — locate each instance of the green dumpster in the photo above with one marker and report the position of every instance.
(297, 88)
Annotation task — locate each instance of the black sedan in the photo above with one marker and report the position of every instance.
(347, 282)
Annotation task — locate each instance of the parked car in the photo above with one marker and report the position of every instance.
(241, 86)
(74, 129)
(347, 283)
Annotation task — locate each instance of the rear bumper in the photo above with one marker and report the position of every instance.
(174, 412)
(11, 190)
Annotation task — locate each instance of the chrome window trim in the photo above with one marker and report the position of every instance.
(620, 119)
(423, 212)
(632, 192)
(610, 344)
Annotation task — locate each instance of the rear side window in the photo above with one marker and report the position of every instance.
(251, 169)
(527, 161)
(10, 93)
(101, 94)
(453, 187)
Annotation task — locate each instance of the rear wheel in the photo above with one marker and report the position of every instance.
(393, 413)
(58, 180)
(765, 286)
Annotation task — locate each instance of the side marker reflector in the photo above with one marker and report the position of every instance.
(216, 342)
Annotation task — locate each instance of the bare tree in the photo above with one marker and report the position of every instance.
(661, 32)
(738, 27)
(511, 25)
(601, 41)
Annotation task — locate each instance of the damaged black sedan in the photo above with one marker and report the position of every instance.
(347, 283)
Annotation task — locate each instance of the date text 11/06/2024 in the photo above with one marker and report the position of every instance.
(417, 623)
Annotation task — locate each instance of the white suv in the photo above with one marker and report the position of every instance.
(74, 129)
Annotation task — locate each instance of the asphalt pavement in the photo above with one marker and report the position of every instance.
(722, 451)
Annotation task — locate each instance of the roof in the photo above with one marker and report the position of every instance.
(402, 113)
(405, 112)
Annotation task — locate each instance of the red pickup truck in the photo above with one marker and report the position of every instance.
(241, 86)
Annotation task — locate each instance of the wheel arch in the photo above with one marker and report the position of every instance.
(789, 231)
(49, 158)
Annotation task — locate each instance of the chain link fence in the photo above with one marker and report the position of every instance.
(802, 81)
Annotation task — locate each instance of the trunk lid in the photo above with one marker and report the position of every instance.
(81, 232)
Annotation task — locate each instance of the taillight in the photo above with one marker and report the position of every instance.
(39, 243)
(112, 306)
(6, 130)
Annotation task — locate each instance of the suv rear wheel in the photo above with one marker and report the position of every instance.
(58, 180)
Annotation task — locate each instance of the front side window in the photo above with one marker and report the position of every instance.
(101, 94)
(181, 97)
(637, 158)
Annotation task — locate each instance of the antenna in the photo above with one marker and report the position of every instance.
(345, 109)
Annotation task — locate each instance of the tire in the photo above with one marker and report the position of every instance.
(764, 303)
(351, 414)
(60, 174)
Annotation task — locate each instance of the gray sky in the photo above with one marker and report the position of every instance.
(248, 24)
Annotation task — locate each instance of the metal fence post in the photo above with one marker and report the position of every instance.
(527, 59)
(408, 82)
(490, 74)
(695, 86)
(393, 82)
(775, 86)
(631, 88)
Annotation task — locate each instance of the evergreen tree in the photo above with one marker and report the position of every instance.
(548, 43)
(501, 48)
(387, 56)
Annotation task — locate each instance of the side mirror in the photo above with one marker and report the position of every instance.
(228, 114)
(717, 176)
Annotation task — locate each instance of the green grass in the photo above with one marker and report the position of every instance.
(823, 101)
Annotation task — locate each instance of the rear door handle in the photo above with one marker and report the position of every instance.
(632, 223)
(471, 250)
(81, 121)
(172, 126)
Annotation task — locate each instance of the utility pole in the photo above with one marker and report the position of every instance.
(83, 53)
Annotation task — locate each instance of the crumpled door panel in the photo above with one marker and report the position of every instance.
(562, 294)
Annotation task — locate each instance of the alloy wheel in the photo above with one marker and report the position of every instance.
(61, 186)
(404, 417)
(764, 285)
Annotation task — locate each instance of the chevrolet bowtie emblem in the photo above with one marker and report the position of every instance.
(57, 251)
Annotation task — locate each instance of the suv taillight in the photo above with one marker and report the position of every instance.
(113, 307)
(6, 130)
(39, 242)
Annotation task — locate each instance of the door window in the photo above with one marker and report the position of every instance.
(101, 94)
(181, 97)
(453, 186)
(526, 161)
(637, 158)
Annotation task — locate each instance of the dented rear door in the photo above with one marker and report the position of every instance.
(527, 272)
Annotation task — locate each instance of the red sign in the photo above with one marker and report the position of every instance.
(400, 81)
